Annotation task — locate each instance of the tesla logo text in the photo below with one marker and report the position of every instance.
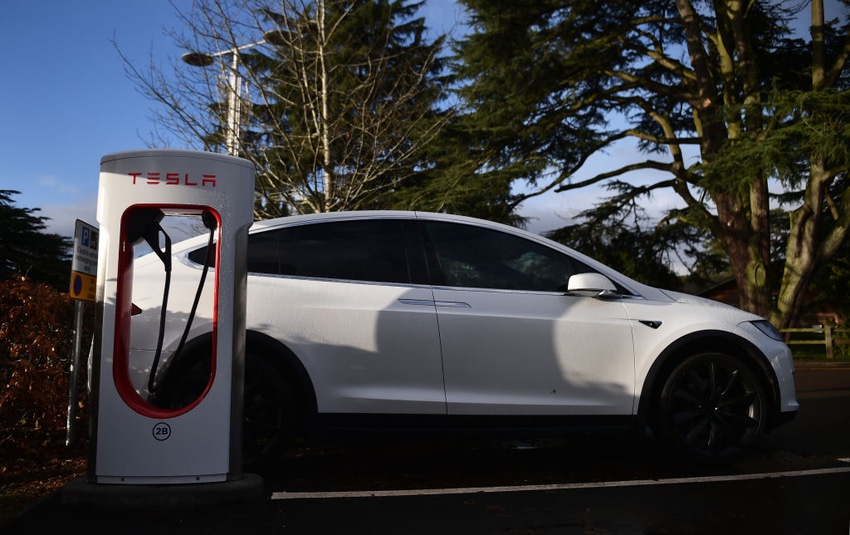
(155, 178)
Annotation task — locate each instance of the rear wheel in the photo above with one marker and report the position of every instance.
(712, 406)
(183, 381)
(270, 411)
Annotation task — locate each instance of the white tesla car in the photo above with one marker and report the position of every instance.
(409, 320)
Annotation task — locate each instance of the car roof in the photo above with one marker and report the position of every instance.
(369, 214)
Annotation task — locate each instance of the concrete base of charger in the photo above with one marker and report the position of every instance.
(80, 492)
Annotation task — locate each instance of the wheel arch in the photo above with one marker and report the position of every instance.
(276, 353)
(262, 346)
(701, 342)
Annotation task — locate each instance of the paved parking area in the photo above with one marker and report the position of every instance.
(797, 483)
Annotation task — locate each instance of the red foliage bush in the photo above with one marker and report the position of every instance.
(36, 346)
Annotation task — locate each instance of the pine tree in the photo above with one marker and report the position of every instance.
(26, 250)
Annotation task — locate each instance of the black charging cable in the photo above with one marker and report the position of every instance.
(163, 313)
(144, 224)
(211, 223)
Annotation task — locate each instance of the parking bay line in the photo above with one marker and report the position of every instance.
(552, 487)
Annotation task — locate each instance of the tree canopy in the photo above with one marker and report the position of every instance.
(720, 100)
(736, 107)
(25, 248)
(339, 102)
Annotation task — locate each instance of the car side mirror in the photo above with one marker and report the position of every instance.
(591, 285)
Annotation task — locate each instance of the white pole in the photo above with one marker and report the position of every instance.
(234, 104)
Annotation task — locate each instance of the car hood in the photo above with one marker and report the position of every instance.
(690, 312)
(688, 299)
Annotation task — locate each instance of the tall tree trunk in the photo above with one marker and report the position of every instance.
(808, 249)
(745, 249)
(758, 270)
(801, 257)
(743, 224)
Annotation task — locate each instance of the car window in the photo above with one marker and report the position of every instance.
(477, 257)
(358, 250)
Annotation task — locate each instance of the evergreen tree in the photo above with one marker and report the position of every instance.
(355, 92)
(635, 252)
(455, 183)
(720, 98)
(339, 104)
(25, 249)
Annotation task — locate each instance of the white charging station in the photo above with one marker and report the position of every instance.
(135, 442)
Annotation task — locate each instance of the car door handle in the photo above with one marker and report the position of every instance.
(452, 304)
(417, 302)
(429, 303)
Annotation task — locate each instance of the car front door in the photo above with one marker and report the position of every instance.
(512, 342)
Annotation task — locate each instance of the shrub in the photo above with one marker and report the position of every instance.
(36, 346)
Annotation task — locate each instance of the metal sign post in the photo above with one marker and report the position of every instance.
(84, 263)
(83, 288)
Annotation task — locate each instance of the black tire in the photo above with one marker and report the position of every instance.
(269, 408)
(270, 412)
(713, 407)
(183, 381)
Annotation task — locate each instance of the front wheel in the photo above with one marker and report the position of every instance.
(713, 406)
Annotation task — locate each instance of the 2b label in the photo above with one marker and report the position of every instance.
(161, 431)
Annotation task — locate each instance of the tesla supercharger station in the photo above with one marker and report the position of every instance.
(134, 441)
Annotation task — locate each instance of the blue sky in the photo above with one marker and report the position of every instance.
(67, 101)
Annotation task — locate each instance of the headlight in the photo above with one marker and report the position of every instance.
(768, 329)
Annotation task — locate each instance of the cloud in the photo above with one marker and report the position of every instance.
(55, 185)
(552, 211)
(63, 217)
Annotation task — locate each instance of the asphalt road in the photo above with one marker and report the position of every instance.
(796, 482)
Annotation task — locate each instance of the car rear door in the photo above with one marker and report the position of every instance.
(345, 297)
